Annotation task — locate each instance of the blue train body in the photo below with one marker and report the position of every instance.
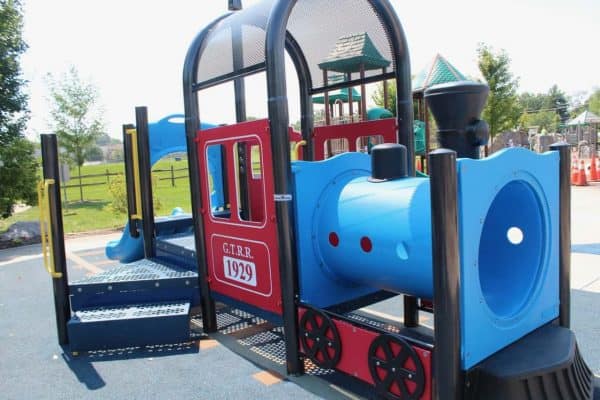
(356, 236)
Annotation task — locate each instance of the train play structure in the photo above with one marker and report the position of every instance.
(287, 254)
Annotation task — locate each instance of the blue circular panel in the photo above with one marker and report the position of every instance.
(511, 249)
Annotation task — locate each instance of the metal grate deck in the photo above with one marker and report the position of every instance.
(181, 244)
(142, 270)
(381, 325)
(267, 342)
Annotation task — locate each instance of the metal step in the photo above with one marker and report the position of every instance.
(179, 249)
(137, 282)
(129, 326)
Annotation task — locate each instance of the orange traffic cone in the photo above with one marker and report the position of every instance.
(581, 178)
(574, 173)
(594, 173)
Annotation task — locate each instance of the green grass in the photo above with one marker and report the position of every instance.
(94, 213)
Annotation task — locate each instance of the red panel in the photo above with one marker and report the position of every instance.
(355, 349)
(384, 127)
(243, 261)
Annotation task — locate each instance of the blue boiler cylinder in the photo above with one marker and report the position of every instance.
(377, 234)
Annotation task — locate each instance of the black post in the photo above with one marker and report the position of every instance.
(282, 171)
(130, 180)
(306, 105)
(60, 286)
(239, 86)
(141, 122)
(564, 253)
(172, 176)
(404, 105)
(411, 311)
(446, 275)
(192, 126)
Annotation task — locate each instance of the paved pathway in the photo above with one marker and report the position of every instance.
(32, 365)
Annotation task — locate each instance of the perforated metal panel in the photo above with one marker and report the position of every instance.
(142, 351)
(373, 322)
(137, 271)
(315, 24)
(266, 342)
(133, 312)
(244, 30)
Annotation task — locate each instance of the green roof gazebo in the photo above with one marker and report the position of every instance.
(437, 72)
(338, 95)
(354, 53)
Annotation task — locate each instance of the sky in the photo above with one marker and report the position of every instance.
(133, 50)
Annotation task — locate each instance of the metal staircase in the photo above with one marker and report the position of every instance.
(143, 303)
(146, 302)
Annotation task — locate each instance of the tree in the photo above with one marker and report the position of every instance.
(17, 163)
(94, 154)
(76, 117)
(594, 102)
(557, 101)
(532, 101)
(544, 110)
(105, 140)
(502, 109)
(548, 120)
(378, 98)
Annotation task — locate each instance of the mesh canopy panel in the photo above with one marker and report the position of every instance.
(318, 26)
(248, 26)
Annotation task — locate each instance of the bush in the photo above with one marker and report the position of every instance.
(116, 188)
(118, 193)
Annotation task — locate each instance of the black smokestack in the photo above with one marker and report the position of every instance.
(457, 107)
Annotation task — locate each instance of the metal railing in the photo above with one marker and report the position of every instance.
(45, 227)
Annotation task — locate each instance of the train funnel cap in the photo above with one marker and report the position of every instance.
(457, 107)
(388, 162)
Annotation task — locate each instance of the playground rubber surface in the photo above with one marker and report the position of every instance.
(34, 366)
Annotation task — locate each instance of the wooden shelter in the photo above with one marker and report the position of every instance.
(583, 130)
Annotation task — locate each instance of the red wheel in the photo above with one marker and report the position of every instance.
(396, 369)
(320, 338)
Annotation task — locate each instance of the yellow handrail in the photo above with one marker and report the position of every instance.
(136, 174)
(297, 148)
(46, 228)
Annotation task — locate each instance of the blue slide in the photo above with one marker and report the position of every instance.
(167, 136)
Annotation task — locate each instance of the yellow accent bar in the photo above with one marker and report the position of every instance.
(46, 228)
(297, 148)
(136, 174)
